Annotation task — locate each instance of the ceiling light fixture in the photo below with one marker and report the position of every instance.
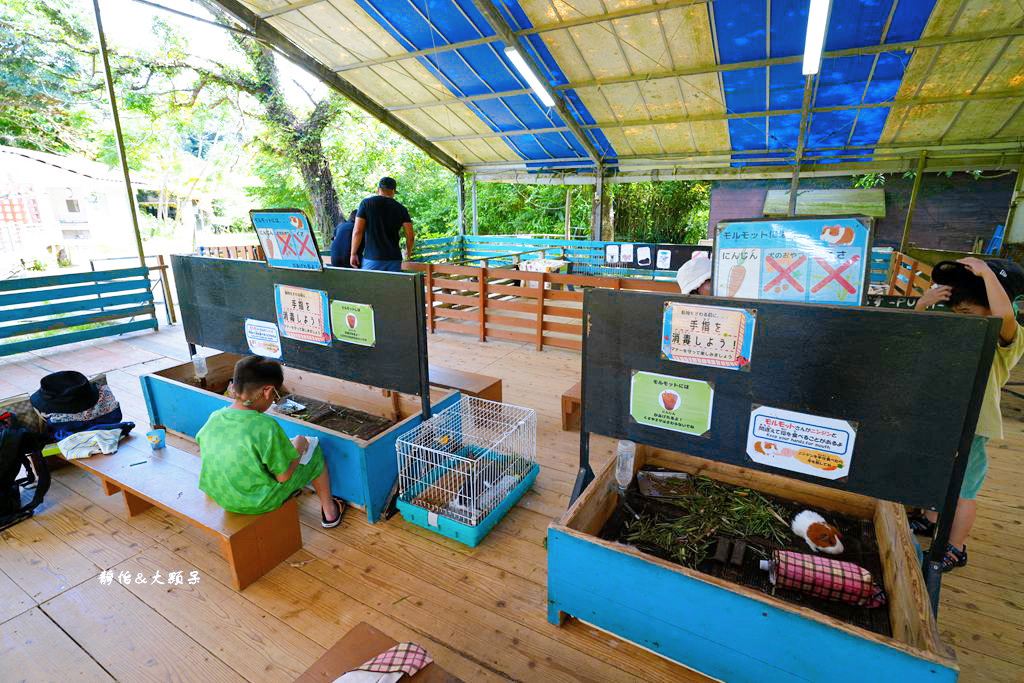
(526, 72)
(817, 24)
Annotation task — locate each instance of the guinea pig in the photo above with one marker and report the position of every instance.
(819, 534)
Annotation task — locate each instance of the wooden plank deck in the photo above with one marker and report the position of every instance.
(480, 612)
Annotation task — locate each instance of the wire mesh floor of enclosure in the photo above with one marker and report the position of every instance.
(465, 460)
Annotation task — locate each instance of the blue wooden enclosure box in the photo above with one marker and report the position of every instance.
(729, 631)
(363, 473)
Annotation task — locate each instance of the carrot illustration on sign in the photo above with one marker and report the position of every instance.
(817, 459)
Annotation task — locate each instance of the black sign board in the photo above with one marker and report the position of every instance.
(217, 296)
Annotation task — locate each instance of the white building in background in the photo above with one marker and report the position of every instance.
(50, 203)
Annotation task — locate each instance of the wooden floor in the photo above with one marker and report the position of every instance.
(480, 613)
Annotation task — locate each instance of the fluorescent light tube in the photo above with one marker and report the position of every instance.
(817, 23)
(526, 72)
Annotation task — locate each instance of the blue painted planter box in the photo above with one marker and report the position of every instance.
(465, 533)
(733, 632)
(363, 472)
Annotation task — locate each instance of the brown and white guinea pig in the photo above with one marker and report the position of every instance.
(819, 534)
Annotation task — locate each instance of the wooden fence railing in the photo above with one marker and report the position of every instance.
(908, 277)
(544, 309)
(251, 252)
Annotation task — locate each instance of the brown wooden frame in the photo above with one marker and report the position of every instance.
(913, 624)
(515, 305)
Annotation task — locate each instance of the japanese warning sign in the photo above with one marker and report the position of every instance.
(715, 336)
(813, 260)
(287, 239)
(817, 446)
(263, 338)
(353, 323)
(302, 314)
(674, 403)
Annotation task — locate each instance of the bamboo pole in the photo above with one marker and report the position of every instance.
(913, 200)
(117, 131)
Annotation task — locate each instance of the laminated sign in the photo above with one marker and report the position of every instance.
(808, 444)
(353, 323)
(263, 338)
(287, 239)
(302, 314)
(674, 403)
(715, 336)
(813, 260)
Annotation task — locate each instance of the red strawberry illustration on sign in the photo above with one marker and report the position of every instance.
(351, 321)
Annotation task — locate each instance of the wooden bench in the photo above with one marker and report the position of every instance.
(572, 404)
(469, 383)
(360, 645)
(169, 479)
(114, 298)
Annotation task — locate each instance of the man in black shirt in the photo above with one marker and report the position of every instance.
(341, 245)
(380, 219)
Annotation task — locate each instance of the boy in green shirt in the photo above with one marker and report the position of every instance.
(249, 465)
(972, 286)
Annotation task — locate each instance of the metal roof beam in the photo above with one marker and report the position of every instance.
(735, 66)
(609, 16)
(705, 118)
(494, 18)
(939, 41)
(271, 36)
(418, 53)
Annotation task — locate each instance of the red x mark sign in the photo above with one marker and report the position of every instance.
(303, 241)
(836, 274)
(785, 273)
(285, 240)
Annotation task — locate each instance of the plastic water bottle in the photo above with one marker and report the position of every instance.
(199, 368)
(625, 455)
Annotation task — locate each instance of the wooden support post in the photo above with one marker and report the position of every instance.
(167, 288)
(540, 311)
(913, 200)
(568, 212)
(794, 184)
(429, 282)
(482, 279)
(460, 191)
(472, 189)
(596, 209)
(1010, 235)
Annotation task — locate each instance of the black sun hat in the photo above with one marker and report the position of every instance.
(959, 276)
(67, 391)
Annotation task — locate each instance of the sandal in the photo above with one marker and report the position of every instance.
(953, 558)
(921, 525)
(337, 520)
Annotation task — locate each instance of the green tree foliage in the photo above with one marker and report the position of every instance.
(44, 80)
(226, 137)
(670, 212)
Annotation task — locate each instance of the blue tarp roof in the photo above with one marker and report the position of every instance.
(719, 79)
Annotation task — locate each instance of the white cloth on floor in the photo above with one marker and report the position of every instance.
(369, 677)
(84, 444)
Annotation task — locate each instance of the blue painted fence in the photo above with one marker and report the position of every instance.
(587, 256)
(106, 303)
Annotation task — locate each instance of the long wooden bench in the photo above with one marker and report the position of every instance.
(79, 306)
(169, 479)
(470, 383)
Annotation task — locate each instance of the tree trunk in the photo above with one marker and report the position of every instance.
(319, 182)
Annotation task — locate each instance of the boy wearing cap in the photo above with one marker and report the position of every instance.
(379, 220)
(972, 286)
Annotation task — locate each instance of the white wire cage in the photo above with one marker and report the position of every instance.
(463, 461)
